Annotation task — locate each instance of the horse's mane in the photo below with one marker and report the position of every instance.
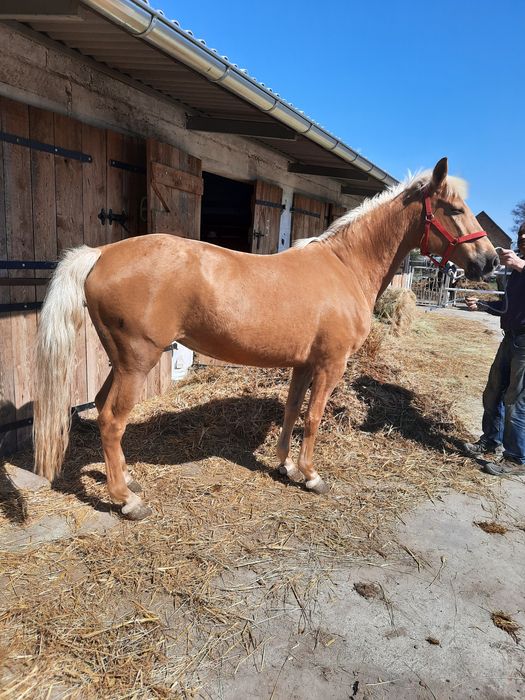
(412, 183)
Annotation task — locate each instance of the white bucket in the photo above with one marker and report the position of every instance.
(181, 361)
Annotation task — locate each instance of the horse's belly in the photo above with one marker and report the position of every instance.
(264, 353)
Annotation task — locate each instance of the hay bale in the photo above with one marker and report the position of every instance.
(397, 308)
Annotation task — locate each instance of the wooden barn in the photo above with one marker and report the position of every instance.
(496, 234)
(115, 122)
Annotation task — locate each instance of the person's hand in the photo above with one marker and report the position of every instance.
(509, 258)
(472, 303)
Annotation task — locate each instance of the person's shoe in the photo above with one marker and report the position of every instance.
(505, 467)
(481, 447)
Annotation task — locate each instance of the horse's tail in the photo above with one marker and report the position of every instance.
(55, 358)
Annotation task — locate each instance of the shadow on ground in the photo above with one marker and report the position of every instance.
(393, 406)
(232, 428)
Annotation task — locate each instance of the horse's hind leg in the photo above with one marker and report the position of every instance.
(324, 382)
(123, 392)
(100, 400)
(301, 378)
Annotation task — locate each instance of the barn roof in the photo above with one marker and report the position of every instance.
(131, 37)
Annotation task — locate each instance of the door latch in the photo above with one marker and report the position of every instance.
(258, 235)
(111, 217)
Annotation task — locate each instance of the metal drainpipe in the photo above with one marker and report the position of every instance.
(140, 20)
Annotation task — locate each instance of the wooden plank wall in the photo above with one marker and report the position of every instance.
(19, 217)
(7, 390)
(308, 217)
(266, 219)
(48, 203)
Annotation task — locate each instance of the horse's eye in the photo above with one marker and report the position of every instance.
(456, 212)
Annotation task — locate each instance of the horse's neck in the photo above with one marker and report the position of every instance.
(374, 245)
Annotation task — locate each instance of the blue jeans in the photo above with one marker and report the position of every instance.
(504, 398)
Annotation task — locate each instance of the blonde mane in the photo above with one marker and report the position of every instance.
(417, 181)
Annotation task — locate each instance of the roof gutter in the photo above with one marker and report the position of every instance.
(140, 20)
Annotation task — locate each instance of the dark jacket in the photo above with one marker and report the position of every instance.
(513, 318)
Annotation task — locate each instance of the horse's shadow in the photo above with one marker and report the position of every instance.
(393, 406)
(231, 428)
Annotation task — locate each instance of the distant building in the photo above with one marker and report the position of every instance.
(497, 235)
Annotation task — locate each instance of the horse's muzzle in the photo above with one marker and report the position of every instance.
(481, 267)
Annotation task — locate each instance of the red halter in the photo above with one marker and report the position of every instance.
(430, 221)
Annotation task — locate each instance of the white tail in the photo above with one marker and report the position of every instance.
(55, 356)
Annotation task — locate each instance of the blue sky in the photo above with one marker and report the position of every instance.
(403, 82)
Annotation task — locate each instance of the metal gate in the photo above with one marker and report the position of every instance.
(430, 285)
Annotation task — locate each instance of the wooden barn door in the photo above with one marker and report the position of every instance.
(17, 328)
(114, 185)
(267, 212)
(334, 211)
(59, 179)
(175, 188)
(308, 217)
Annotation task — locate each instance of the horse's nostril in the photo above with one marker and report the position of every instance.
(490, 265)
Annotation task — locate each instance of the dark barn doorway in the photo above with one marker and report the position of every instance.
(226, 212)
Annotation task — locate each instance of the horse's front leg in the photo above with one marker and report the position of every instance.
(324, 382)
(121, 397)
(301, 378)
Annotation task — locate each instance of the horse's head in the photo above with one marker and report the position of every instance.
(448, 226)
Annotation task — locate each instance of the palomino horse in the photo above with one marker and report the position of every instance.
(307, 308)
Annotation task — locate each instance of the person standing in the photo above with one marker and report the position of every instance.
(503, 422)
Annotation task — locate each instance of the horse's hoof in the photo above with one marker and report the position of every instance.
(320, 487)
(139, 512)
(135, 486)
(296, 475)
(289, 469)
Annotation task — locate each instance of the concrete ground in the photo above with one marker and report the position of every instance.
(425, 631)
(421, 628)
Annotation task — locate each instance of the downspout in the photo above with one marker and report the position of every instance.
(140, 20)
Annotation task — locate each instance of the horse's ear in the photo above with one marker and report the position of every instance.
(438, 175)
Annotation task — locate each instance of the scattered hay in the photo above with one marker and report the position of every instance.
(505, 622)
(369, 590)
(433, 640)
(492, 527)
(397, 308)
(148, 609)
